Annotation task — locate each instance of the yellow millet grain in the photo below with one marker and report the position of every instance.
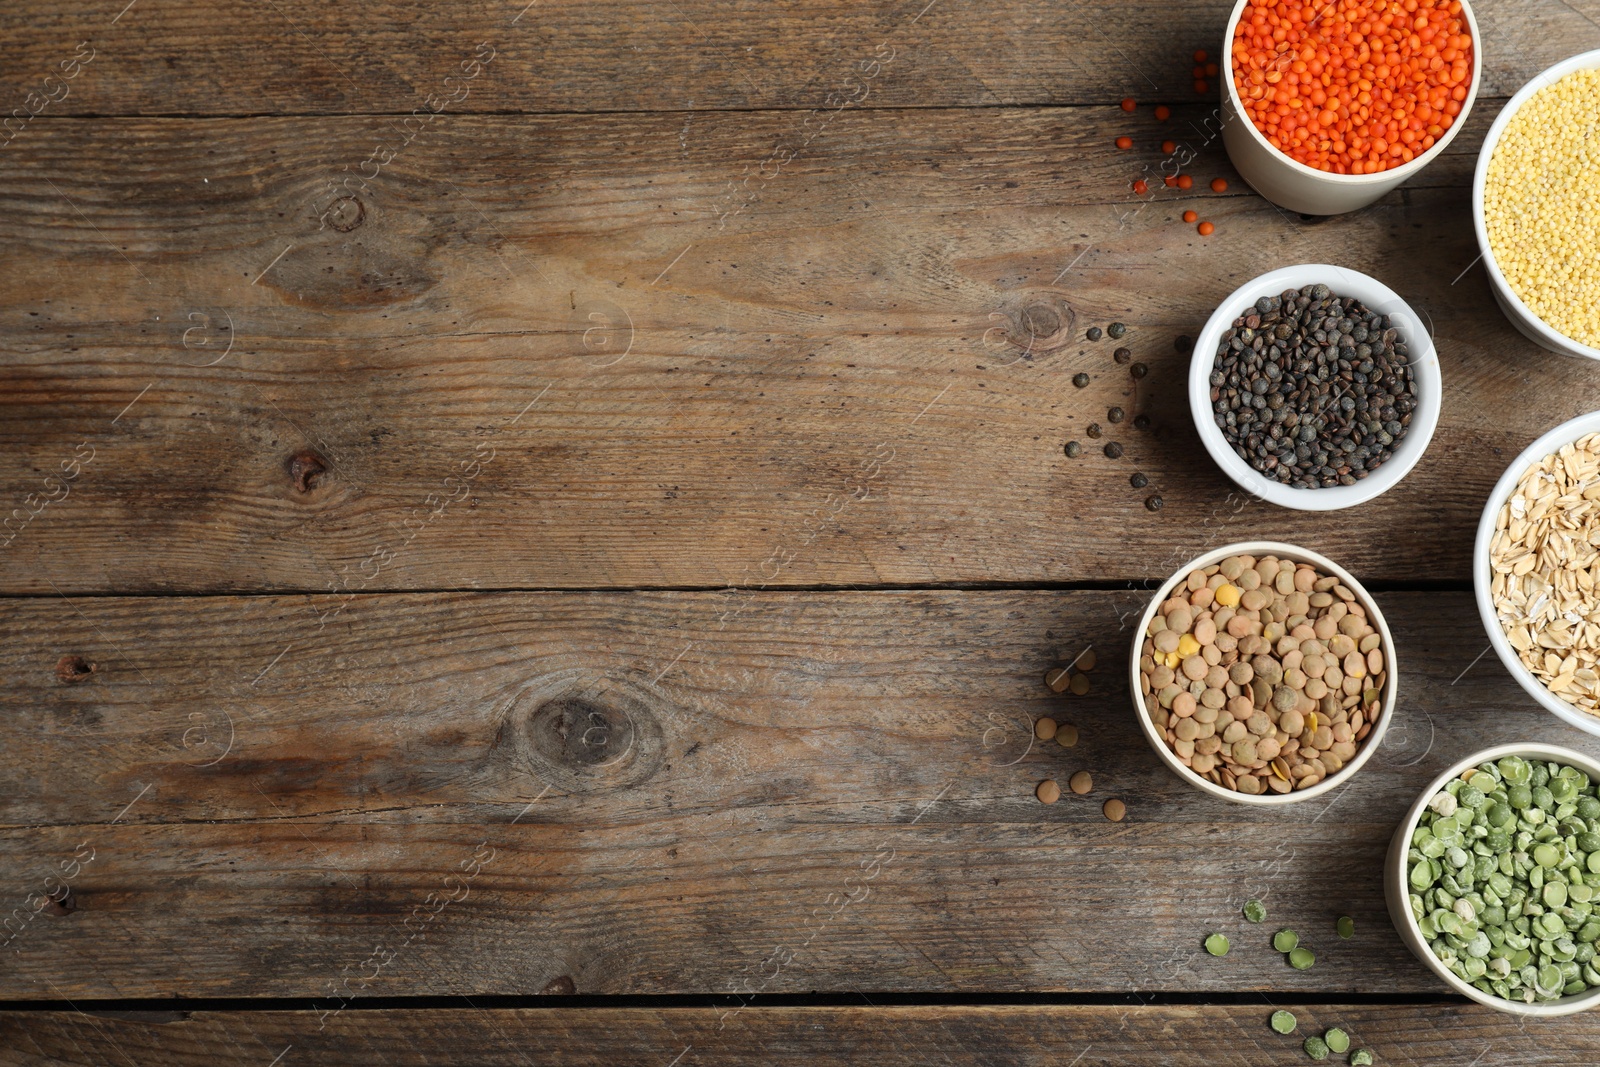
(1539, 205)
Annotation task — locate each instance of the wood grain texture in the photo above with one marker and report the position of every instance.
(666, 793)
(1439, 1035)
(205, 57)
(559, 353)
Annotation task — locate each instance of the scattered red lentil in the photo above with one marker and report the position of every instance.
(1198, 72)
(1353, 87)
(1185, 182)
(1200, 56)
(1163, 113)
(1128, 104)
(1169, 147)
(1200, 85)
(1171, 182)
(1189, 216)
(1219, 185)
(1140, 187)
(1124, 143)
(1211, 70)
(1206, 229)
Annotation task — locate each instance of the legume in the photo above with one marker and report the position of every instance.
(1116, 330)
(1301, 959)
(1073, 449)
(1217, 945)
(1312, 389)
(1543, 233)
(1066, 735)
(1081, 782)
(1361, 1057)
(1284, 1022)
(1080, 379)
(1260, 674)
(1316, 1048)
(1346, 927)
(1544, 564)
(1503, 886)
(1337, 1040)
(1093, 333)
(1047, 791)
(1355, 87)
(1285, 940)
(1255, 911)
(1115, 810)
(1045, 728)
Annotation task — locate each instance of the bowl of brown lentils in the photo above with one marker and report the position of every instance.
(1263, 673)
(1315, 387)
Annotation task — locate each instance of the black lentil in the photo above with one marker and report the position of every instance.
(1115, 415)
(1183, 343)
(1138, 481)
(1116, 329)
(1093, 429)
(1113, 450)
(1080, 379)
(1153, 503)
(1138, 370)
(1093, 333)
(1122, 356)
(1312, 389)
(1073, 449)
(1141, 422)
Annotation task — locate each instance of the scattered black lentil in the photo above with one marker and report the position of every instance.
(1080, 379)
(1141, 421)
(1115, 415)
(1073, 449)
(1312, 389)
(1116, 329)
(1154, 503)
(1138, 481)
(1113, 450)
(1183, 343)
(1122, 356)
(1138, 370)
(1093, 333)
(1093, 429)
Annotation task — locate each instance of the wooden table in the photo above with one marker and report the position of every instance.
(559, 516)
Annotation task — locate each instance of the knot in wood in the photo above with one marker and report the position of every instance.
(587, 735)
(1041, 323)
(305, 468)
(71, 670)
(346, 213)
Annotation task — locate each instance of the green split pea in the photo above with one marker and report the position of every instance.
(1284, 1022)
(1217, 945)
(1255, 911)
(1337, 1040)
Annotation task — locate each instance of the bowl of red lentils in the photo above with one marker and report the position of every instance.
(1534, 216)
(1263, 673)
(1330, 104)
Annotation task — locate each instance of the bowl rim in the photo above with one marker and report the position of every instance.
(1394, 174)
(1549, 442)
(1283, 550)
(1497, 279)
(1396, 875)
(1377, 296)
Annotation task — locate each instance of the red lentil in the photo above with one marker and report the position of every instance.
(1352, 86)
(1206, 229)
(1124, 143)
(1219, 185)
(1140, 187)
(1163, 113)
(1128, 104)
(1189, 216)
(1185, 182)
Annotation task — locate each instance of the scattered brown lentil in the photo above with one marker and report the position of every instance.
(1115, 810)
(1087, 661)
(1138, 481)
(1115, 414)
(1153, 503)
(1092, 430)
(1141, 422)
(1081, 782)
(1066, 735)
(1047, 791)
(1257, 672)
(1058, 679)
(1073, 449)
(1123, 356)
(1080, 685)
(1044, 729)
(1138, 370)
(1113, 450)
(1093, 333)
(1116, 329)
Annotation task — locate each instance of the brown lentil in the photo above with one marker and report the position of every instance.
(1044, 729)
(1254, 670)
(1066, 735)
(1047, 791)
(1086, 661)
(1081, 782)
(1115, 810)
(1080, 685)
(1058, 678)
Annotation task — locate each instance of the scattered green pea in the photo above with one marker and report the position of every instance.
(1337, 1040)
(1255, 911)
(1346, 927)
(1285, 940)
(1217, 945)
(1361, 1057)
(1301, 959)
(1316, 1048)
(1284, 1022)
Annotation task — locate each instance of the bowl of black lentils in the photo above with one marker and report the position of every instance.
(1315, 387)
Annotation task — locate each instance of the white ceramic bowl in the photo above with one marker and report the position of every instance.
(1377, 297)
(1158, 740)
(1564, 434)
(1305, 189)
(1397, 886)
(1522, 317)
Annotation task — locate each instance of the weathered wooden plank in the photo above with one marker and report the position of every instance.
(205, 57)
(664, 793)
(554, 353)
(1440, 1035)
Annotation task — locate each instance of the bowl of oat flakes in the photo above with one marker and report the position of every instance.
(1536, 571)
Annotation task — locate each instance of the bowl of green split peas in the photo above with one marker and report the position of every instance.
(1493, 879)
